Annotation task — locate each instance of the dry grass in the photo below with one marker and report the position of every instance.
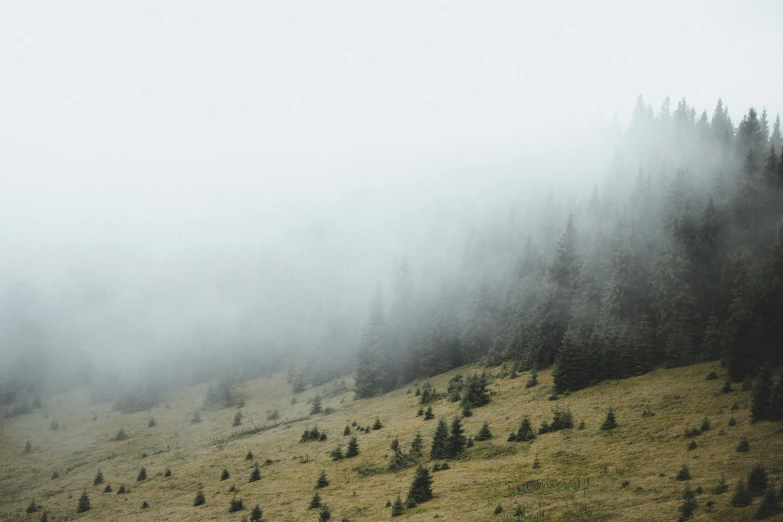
(585, 471)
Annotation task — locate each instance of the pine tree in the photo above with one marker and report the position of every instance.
(762, 396)
(315, 502)
(421, 487)
(353, 448)
(741, 496)
(142, 475)
(235, 504)
(417, 446)
(688, 505)
(429, 415)
(769, 506)
(456, 440)
(249, 455)
(440, 442)
(484, 433)
(255, 475)
(377, 424)
(683, 474)
(225, 475)
(324, 514)
(610, 423)
(526, 433)
(84, 503)
(533, 380)
(397, 508)
(256, 515)
(475, 393)
(107, 489)
(337, 453)
(200, 499)
(237, 418)
(346, 431)
(151, 423)
(369, 380)
(145, 505)
(757, 480)
(322, 481)
(98, 479)
(316, 408)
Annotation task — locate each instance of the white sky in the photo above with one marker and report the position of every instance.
(147, 130)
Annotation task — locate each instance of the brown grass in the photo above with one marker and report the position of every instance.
(582, 475)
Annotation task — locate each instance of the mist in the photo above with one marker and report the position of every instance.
(185, 190)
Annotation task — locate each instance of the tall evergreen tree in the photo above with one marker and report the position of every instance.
(440, 442)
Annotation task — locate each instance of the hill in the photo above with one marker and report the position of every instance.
(588, 474)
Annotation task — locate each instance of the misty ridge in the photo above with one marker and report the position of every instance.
(655, 244)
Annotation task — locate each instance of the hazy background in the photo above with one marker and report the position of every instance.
(200, 176)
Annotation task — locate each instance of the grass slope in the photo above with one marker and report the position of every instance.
(625, 474)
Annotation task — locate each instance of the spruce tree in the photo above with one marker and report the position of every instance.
(741, 496)
(337, 453)
(324, 514)
(225, 475)
(256, 515)
(526, 433)
(429, 415)
(683, 474)
(255, 475)
(142, 475)
(107, 489)
(353, 448)
(235, 504)
(377, 424)
(456, 440)
(397, 508)
(688, 505)
(610, 423)
(757, 480)
(322, 481)
(315, 502)
(346, 431)
(484, 433)
(249, 455)
(769, 506)
(317, 407)
(200, 499)
(84, 503)
(237, 418)
(421, 487)
(98, 478)
(440, 442)
(762, 395)
(417, 446)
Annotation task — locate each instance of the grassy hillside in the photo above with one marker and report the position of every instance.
(589, 474)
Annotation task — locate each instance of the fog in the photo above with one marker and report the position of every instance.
(188, 181)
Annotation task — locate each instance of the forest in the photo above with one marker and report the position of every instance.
(678, 259)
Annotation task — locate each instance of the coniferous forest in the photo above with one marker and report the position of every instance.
(677, 258)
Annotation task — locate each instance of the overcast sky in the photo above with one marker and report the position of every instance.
(133, 134)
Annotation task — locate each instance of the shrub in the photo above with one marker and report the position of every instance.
(712, 376)
(692, 445)
(498, 509)
(732, 421)
(429, 415)
(536, 463)
(727, 387)
(235, 505)
(142, 475)
(743, 446)
(316, 407)
(84, 503)
(249, 455)
(721, 487)
(167, 473)
(705, 425)
(272, 415)
(683, 474)
(420, 412)
(33, 507)
(122, 490)
(237, 418)
(324, 514)
(145, 505)
(346, 431)
(151, 423)
(55, 475)
(225, 475)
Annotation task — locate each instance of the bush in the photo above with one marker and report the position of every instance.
(429, 415)
(536, 463)
(727, 387)
(225, 475)
(721, 488)
(33, 507)
(235, 505)
(743, 446)
(237, 418)
(692, 445)
(498, 509)
(732, 421)
(705, 425)
(712, 376)
(145, 505)
(167, 473)
(683, 474)
(152, 423)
